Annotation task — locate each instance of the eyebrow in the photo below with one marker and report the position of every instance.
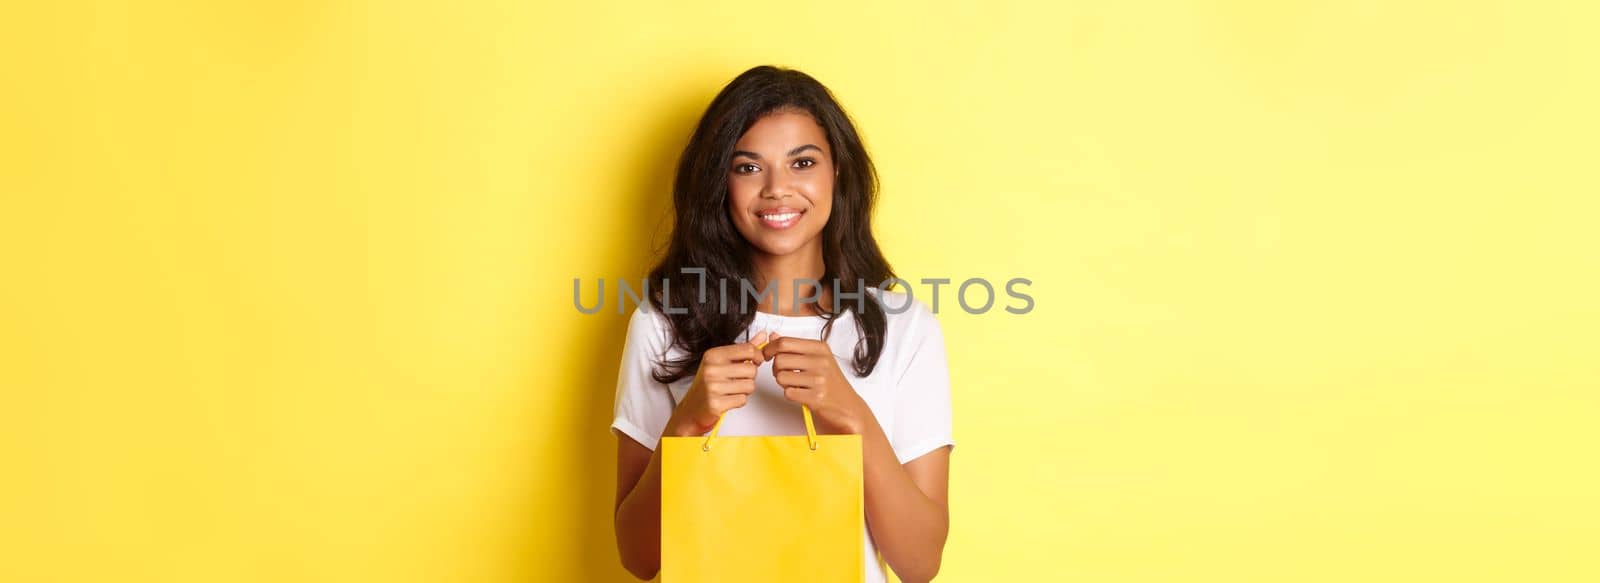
(794, 152)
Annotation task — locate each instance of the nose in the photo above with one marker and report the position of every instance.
(777, 187)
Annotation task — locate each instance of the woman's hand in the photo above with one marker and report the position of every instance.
(724, 382)
(810, 375)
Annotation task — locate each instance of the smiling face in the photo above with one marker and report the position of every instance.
(780, 184)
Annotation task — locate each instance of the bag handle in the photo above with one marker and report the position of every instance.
(811, 428)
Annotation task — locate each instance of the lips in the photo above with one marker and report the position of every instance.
(780, 218)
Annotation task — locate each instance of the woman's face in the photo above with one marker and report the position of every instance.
(780, 183)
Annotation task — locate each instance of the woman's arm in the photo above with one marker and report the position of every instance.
(638, 507)
(908, 510)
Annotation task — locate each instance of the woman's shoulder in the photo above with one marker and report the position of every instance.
(912, 326)
(901, 308)
(905, 311)
(648, 325)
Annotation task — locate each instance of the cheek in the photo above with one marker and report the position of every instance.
(741, 197)
(818, 189)
(822, 197)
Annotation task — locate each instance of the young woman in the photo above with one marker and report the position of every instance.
(775, 192)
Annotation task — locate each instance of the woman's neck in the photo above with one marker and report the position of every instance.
(781, 272)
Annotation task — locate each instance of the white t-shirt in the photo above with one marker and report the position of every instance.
(908, 391)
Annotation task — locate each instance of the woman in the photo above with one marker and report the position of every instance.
(774, 191)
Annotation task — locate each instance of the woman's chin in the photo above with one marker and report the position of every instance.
(780, 246)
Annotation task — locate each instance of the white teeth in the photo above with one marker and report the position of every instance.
(780, 217)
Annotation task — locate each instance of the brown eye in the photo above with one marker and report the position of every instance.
(746, 168)
(805, 163)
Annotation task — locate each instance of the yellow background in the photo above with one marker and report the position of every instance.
(287, 285)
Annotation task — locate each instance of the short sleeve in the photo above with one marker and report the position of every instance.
(922, 410)
(643, 405)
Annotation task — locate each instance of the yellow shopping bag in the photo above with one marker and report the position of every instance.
(770, 508)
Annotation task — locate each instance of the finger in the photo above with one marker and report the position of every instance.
(734, 353)
(731, 387)
(730, 402)
(761, 339)
(785, 362)
(756, 343)
(798, 362)
(804, 379)
(791, 345)
(734, 371)
(771, 348)
(800, 395)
